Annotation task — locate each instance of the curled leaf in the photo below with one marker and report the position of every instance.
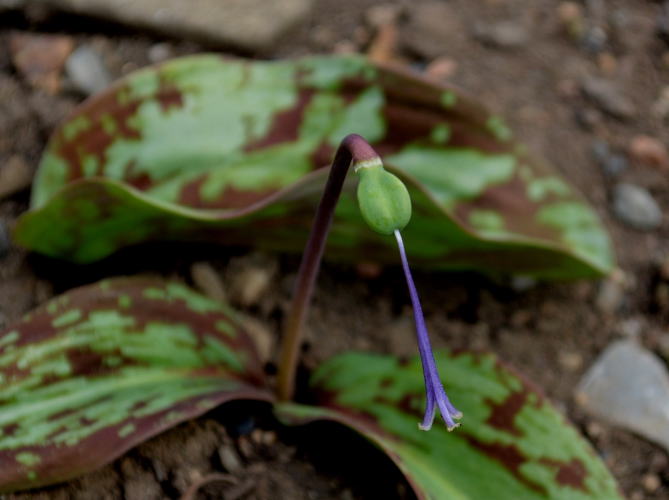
(206, 148)
(512, 443)
(102, 368)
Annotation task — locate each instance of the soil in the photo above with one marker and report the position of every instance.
(550, 332)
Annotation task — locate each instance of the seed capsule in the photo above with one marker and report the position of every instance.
(383, 198)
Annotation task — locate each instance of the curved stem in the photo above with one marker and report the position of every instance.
(352, 149)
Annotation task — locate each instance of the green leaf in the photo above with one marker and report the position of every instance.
(102, 368)
(512, 443)
(207, 148)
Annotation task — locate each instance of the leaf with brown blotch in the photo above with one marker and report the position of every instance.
(233, 151)
(102, 368)
(512, 443)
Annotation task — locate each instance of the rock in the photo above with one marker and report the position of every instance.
(442, 68)
(432, 29)
(570, 361)
(247, 24)
(15, 175)
(249, 285)
(610, 295)
(5, 243)
(229, 458)
(634, 206)
(86, 71)
(611, 163)
(262, 338)
(629, 387)
(608, 97)
(502, 34)
(651, 482)
(159, 52)
(649, 151)
(208, 281)
(40, 58)
(594, 40)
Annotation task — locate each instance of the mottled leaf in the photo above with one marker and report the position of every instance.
(102, 368)
(512, 443)
(207, 148)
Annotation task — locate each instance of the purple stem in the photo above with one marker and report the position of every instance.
(434, 390)
(353, 148)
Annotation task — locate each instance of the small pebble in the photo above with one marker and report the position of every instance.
(229, 458)
(651, 482)
(610, 296)
(5, 243)
(611, 163)
(442, 68)
(649, 151)
(159, 52)
(594, 40)
(208, 281)
(40, 58)
(262, 338)
(634, 206)
(86, 71)
(256, 436)
(570, 361)
(15, 175)
(502, 34)
(628, 386)
(245, 447)
(269, 438)
(249, 285)
(608, 97)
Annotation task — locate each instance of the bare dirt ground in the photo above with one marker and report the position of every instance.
(551, 332)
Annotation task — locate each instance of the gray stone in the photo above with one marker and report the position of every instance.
(608, 97)
(628, 386)
(612, 164)
(248, 24)
(86, 71)
(433, 28)
(634, 206)
(502, 34)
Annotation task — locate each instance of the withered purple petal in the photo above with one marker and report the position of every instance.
(435, 395)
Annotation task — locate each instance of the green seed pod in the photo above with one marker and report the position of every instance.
(383, 199)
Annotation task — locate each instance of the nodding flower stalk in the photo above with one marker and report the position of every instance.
(386, 207)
